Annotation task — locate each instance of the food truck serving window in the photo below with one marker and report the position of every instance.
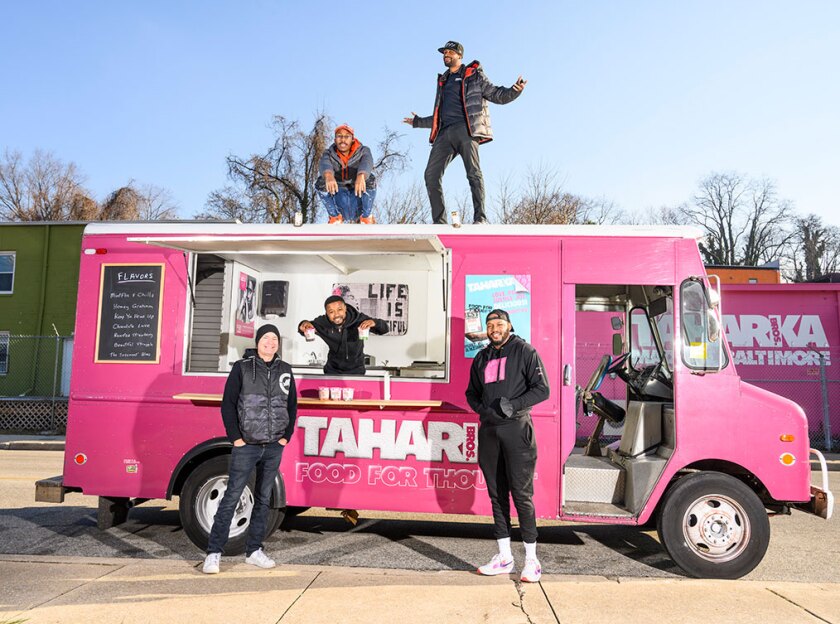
(242, 282)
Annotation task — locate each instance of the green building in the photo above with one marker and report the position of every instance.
(39, 275)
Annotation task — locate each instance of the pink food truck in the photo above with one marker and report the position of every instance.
(165, 309)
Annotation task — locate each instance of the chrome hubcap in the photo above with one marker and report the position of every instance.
(716, 528)
(207, 503)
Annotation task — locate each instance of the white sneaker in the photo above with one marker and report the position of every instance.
(532, 571)
(211, 563)
(496, 566)
(260, 559)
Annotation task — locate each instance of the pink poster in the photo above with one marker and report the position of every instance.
(246, 306)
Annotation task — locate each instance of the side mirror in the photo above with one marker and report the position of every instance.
(714, 297)
(713, 326)
(617, 345)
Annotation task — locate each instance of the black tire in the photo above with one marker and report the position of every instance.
(713, 526)
(200, 497)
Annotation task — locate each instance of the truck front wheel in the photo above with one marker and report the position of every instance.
(713, 526)
(200, 497)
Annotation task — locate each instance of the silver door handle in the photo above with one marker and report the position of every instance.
(567, 375)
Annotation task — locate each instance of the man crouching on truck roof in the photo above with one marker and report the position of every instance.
(507, 379)
(344, 329)
(259, 407)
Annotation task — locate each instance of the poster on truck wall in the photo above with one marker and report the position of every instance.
(246, 310)
(387, 302)
(511, 293)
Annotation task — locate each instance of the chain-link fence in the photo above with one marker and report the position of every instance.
(807, 376)
(34, 382)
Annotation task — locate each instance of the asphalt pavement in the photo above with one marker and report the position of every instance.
(56, 566)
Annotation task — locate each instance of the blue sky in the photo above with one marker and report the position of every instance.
(634, 102)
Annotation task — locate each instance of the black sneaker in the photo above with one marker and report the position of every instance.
(481, 221)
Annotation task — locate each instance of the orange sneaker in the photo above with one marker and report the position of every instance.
(369, 220)
(338, 219)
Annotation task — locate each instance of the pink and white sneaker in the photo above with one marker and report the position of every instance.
(532, 571)
(496, 566)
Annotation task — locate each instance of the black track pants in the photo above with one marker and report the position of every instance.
(452, 141)
(507, 454)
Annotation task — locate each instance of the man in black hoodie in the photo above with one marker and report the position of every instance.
(339, 327)
(507, 379)
(259, 407)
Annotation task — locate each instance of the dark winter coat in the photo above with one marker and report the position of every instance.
(346, 350)
(505, 383)
(259, 404)
(359, 160)
(476, 91)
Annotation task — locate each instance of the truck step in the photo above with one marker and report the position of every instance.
(593, 480)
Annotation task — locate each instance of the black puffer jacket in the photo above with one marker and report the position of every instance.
(476, 91)
(259, 404)
(346, 351)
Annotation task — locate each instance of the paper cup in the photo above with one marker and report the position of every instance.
(347, 394)
(309, 334)
(324, 393)
(335, 394)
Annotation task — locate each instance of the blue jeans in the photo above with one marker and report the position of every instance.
(346, 203)
(243, 459)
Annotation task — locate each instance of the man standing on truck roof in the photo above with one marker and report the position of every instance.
(507, 379)
(259, 407)
(345, 330)
(460, 122)
(346, 184)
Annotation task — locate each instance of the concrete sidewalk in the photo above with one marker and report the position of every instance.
(63, 589)
(15, 442)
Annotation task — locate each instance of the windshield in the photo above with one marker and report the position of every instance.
(653, 334)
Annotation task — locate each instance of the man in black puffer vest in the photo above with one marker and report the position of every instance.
(344, 329)
(460, 122)
(259, 407)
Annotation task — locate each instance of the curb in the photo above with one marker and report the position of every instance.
(31, 445)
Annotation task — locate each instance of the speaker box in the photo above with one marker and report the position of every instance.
(275, 297)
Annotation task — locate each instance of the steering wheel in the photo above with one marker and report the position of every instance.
(597, 375)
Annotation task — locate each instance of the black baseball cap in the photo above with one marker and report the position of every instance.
(454, 46)
(497, 314)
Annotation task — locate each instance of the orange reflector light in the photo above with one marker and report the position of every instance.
(787, 459)
(80, 458)
(787, 437)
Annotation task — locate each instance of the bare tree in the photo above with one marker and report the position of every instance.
(156, 203)
(815, 251)
(43, 189)
(542, 199)
(745, 221)
(409, 205)
(272, 186)
(121, 205)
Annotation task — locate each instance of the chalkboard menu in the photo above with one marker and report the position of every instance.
(128, 327)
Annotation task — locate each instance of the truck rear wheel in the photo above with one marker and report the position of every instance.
(714, 526)
(200, 497)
